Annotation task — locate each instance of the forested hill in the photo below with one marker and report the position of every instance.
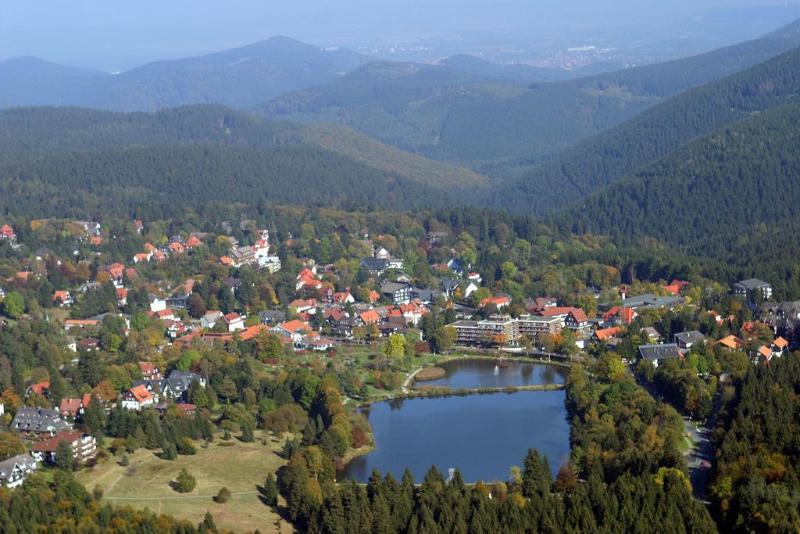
(163, 180)
(733, 196)
(445, 116)
(36, 132)
(631, 146)
(240, 77)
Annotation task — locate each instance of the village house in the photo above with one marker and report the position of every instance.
(377, 266)
(604, 334)
(651, 334)
(14, 470)
(396, 293)
(88, 344)
(751, 288)
(137, 398)
(7, 233)
(657, 354)
(72, 407)
(574, 318)
(37, 422)
(210, 318)
(39, 388)
(234, 322)
(304, 305)
(142, 257)
(272, 316)
(176, 386)
(685, 340)
(62, 298)
(149, 371)
(294, 330)
(122, 297)
(84, 447)
(731, 343)
(70, 324)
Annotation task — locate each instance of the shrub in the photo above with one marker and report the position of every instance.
(185, 447)
(184, 482)
(223, 496)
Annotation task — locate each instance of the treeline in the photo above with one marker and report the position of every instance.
(626, 149)
(625, 475)
(756, 482)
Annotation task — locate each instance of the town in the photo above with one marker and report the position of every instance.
(327, 306)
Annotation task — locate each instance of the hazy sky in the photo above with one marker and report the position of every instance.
(120, 33)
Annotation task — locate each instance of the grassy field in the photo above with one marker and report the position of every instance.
(145, 484)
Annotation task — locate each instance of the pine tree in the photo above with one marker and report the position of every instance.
(270, 491)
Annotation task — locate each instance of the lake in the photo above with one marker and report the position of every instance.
(487, 374)
(481, 435)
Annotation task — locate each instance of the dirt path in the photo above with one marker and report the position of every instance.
(409, 379)
(179, 497)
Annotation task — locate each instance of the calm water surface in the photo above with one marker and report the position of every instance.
(487, 374)
(481, 435)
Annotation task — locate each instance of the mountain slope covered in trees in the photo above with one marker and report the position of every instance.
(443, 114)
(240, 77)
(29, 132)
(160, 180)
(654, 134)
(724, 197)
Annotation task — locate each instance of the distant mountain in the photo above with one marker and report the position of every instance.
(241, 77)
(629, 147)
(30, 81)
(733, 197)
(40, 132)
(467, 116)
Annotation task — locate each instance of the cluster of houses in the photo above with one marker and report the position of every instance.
(256, 255)
(44, 429)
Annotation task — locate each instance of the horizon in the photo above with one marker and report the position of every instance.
(69, 33)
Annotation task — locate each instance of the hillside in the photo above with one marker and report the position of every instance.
(28, 132)
(652, 135)
(442, 113)
(30, 81)
(402, 104)
(160, 180)
(733, 197)
(241, 77)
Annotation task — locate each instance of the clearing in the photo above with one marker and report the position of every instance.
(239, 466)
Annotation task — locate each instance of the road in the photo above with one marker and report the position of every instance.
(699, 456)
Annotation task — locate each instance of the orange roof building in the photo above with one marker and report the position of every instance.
(731, 342)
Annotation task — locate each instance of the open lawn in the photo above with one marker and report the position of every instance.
(239, 467)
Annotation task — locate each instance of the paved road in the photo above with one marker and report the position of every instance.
(699, 456)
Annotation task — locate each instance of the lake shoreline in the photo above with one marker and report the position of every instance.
(411, 391)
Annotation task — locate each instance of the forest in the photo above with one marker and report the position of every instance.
(630, 147)
(715, 199)
(756, 484)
